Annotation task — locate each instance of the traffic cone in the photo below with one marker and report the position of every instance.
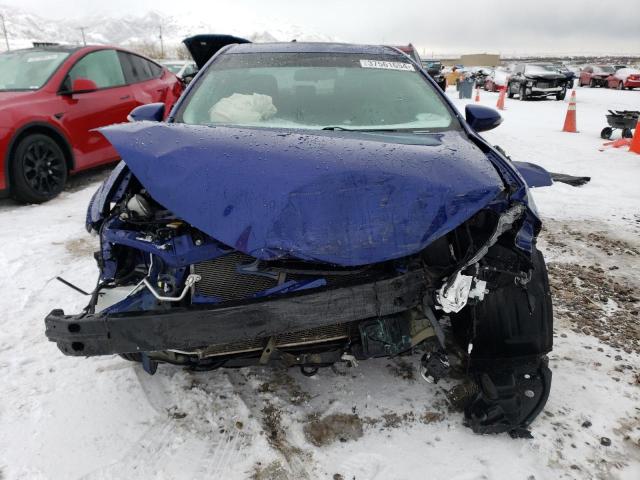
(477, 94)
(635, 142)
(500, 103)
(570, 119)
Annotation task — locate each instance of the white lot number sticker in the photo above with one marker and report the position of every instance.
(44, 58)
(387, 65)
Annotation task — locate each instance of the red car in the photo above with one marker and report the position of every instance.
(51, 101)
(624, 78)
(595, 75)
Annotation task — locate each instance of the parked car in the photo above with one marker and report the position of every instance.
(52, 100)
(411, 51)
(183, 69)
(536, 80)
(497, 79)
(314, 203)
(435, 69)
(595, 75)
(624, 78)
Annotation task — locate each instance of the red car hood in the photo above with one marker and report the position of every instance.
(11, 96)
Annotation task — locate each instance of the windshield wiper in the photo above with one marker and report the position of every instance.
(344, 129)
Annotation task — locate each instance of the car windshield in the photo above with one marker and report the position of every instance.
(316, 91)
(603, 69)
(539, 69)
(28, 69)
(174, 67)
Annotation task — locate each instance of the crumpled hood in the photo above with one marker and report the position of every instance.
(339, 197)
(545, 76)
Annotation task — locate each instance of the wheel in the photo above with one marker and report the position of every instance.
(509, 91)
(523, 96)
(561, 95)
(606, 133)
(38, 169)
(592, 83)
(627, 133)
(620, 86)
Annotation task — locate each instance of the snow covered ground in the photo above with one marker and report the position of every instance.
(69, 418)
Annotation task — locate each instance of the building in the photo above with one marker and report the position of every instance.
(474, 60)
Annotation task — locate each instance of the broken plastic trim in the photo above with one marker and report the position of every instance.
(455, 291)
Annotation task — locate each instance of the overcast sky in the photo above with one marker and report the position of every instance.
(500, 26)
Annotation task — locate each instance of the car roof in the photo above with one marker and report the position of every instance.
(313, 47)
(50, 48)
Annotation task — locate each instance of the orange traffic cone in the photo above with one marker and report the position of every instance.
(635, 142)
(500, 103)
(570, 119)
(477, 94)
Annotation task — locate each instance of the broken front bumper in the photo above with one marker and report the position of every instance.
(191, 328)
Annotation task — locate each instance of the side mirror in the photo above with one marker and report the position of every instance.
(151, 112)
(188, 77)
(482, 118)
(83, 85)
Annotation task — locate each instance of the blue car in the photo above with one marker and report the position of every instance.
(314, 203)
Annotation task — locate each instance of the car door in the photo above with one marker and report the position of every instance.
(86, 111)
(150, 82)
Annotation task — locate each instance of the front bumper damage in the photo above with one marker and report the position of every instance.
(182, 329)
(310, 273)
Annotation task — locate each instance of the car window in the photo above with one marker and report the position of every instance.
(315, 91)
(103, 67)
(138, 69)
(28, 69)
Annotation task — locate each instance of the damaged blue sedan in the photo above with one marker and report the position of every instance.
(308, 204)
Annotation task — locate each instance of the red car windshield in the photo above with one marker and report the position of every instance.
(28, 69)
(603, 69)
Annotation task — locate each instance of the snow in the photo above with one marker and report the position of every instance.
(103, 417)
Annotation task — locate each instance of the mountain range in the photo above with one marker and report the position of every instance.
(24, 27)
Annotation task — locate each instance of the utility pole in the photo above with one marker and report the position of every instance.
(161, 42)
(84, 41)
(4, 29)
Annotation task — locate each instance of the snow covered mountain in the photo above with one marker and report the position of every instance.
(24, 27)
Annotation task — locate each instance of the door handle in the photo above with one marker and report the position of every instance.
(125, 97)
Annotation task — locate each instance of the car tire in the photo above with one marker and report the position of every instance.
(620, 86)
(38, 169)
(509, 91)
(561, 95)
(627, 133)
(606, 133)
(523, 95)
(592, 83)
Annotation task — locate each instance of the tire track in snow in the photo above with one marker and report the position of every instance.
(186, 441)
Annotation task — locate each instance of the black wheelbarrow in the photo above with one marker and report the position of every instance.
(625, 120)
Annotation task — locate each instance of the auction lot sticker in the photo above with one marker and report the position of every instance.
(387, 65)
